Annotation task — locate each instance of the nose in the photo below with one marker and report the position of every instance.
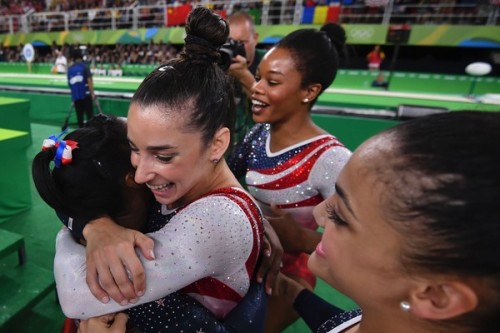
(320, 214)
(257, 88)
(143, 169)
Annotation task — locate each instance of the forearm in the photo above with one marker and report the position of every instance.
(90, 83)
(75, 297)
(180, 260)
(247, 80)
(239, 70)
(301, 240)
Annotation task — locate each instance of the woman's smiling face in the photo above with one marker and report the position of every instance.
(277, 91)
(359, 250)
(170, 160)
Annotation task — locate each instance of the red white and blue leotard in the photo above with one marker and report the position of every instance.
(209, 249)
(296, 179)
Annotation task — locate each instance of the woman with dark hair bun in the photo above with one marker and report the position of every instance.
(205, 233)
(88, 173)
(412, 234)
(290, 163)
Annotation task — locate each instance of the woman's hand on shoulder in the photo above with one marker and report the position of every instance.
(113, 267)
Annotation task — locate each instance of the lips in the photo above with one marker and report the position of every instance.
(159, 188)
(258, 106)
(319, 250)
(163, 193)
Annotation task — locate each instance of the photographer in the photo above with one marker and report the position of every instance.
(245, 59)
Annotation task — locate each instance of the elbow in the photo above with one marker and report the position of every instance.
(69, 302)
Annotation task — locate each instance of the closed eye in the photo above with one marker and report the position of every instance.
(334, 216)
(164, 158)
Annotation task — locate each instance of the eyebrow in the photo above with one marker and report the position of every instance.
(341, 193)
(154, 148)
(276, 72)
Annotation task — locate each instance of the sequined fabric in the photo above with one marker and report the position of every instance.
(296, 179)
(341, 322)
(216, 237)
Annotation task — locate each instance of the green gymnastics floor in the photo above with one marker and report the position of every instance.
(355, 79)
(350, 89)
(350, 109)
(49, 101)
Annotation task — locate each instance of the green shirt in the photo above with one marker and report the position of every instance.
(244, 121)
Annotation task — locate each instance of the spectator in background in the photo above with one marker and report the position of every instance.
(61, 63)
(375, 58)
(242, 69)
(380, 81)
(82, 87)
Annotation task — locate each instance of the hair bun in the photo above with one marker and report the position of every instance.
(205, 33)
(336, 34)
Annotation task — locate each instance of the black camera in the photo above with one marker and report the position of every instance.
(233, 48)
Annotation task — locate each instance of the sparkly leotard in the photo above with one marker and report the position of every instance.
(323, 317)
(296, 179)
(209, 249)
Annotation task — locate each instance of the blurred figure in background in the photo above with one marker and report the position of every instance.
(380, 81)
(375, 58)
(82, 87)
(243, 68)
(61, 63)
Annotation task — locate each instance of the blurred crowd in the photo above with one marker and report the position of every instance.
(63, 15)
(404, 7)
(152, 15)
(98, 55)
(23, 7)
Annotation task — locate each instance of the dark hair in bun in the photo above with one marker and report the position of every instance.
(194, 84)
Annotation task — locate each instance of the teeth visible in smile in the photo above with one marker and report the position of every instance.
(258, 103)
(157, 187)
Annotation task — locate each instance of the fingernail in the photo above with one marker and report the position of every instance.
(152, 254)
(140, 293)
(133, 300)
(281, 265)
(259, 279)
(105, 299)
(269, 291)
(267, 253)
(124, 302)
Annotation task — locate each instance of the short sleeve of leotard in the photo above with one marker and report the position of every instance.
(327, 168)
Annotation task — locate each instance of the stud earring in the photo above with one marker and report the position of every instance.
(215, 161)
(405, 306)
(305, 100)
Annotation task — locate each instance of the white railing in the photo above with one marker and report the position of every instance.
(272, 12)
